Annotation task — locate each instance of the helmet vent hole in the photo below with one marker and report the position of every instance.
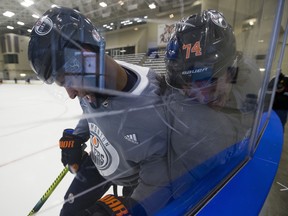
(75, 17)
(216, 35)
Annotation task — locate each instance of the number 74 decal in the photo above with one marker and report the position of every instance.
(196, 48)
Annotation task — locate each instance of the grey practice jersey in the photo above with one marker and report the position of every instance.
(128, 137)
(208, 141)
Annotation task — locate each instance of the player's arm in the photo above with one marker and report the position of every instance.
(151, 194)
(82, 129)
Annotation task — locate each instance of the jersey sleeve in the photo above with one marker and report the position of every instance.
(153, 191)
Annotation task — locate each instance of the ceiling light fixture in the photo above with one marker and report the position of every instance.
(103, 4)
(20, 23)
(250, 21)
(197, 2)
(8, 14)
(27, 3)
(152, 6)
(10, 27)
(35, 16)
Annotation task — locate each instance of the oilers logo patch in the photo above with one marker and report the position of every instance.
(218, 19)
(43, 26)
(103, 154)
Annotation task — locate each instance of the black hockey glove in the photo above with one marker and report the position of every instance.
(111, 205)
(72, 150)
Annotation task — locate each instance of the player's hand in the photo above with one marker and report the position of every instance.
(113, 205)
(72, 150)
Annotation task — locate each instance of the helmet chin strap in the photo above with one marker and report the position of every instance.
(98, 101)
(97, 95)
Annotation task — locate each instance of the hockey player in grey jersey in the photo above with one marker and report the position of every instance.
(212, 100)
(122, 117)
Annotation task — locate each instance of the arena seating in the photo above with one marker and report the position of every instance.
(151, 61)
(131, 58)
(157, 64)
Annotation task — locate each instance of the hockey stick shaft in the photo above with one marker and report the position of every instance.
(47, 194)
(49, 191)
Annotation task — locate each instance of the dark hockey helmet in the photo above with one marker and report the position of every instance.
(57, 47)
(202, 47)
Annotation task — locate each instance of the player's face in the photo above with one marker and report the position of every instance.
(210, 92)
(201, 91)
(79, 73)
(78, 92)
(75, 86)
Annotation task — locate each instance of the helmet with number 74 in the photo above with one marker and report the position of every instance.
(201, 50)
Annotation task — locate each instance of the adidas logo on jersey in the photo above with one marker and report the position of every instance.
(132, 138)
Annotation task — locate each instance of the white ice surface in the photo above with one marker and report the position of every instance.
(32, 118)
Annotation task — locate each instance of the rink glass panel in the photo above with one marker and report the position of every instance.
(214, 143)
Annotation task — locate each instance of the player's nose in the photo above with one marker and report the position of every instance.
(71, 92)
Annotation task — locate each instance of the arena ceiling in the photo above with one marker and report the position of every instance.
(113, 15)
